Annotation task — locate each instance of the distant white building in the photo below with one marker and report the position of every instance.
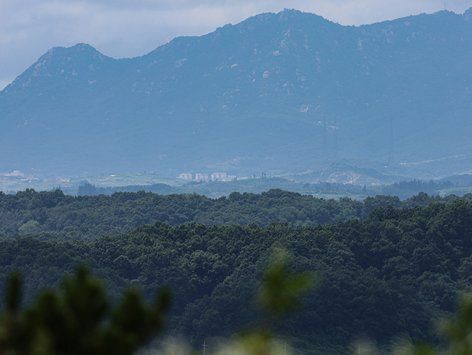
(219, 177)
(186, 176)
(200, 177)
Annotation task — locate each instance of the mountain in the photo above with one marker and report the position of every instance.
(277, 92)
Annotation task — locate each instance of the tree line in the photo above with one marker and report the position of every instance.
(56, 214)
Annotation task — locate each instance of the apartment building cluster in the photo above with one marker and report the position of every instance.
(203, 177)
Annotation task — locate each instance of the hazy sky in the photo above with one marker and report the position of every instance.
(123, 28)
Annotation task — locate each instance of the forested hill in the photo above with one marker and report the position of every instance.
(29, 212)
(278, 91)
(391, 275)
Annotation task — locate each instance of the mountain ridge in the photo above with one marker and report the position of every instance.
(467, 13)
(291, 85)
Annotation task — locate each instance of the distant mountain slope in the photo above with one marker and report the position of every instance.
(276, 92)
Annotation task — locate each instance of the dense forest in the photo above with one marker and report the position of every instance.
(54, 213)
(386, 269)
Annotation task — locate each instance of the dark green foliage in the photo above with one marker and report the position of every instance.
(78, 319)
(386, 276)
(279, 294)
(88, 217)
(53, 213)
(281, 289)
(457, 333)
(459, 329)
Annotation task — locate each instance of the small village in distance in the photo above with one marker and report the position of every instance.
(203, 177)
